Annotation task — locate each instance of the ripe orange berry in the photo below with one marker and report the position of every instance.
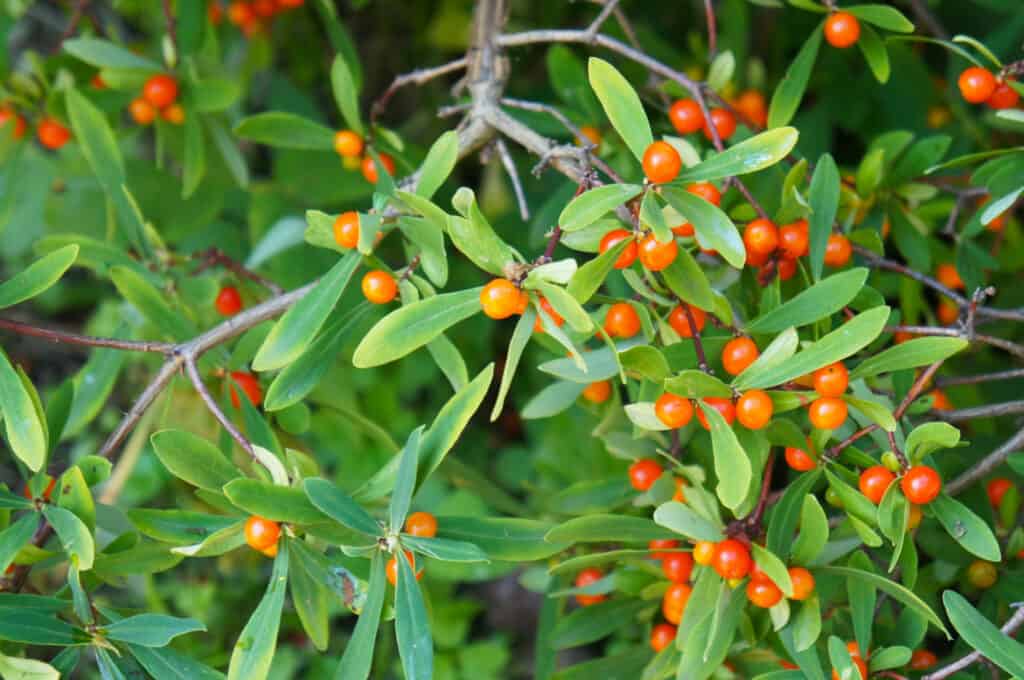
(751, 104)
(684, 229)
(228, 302)
(584, 579)
(754, 409)
(706, 190)
(732, 559)
(421, 524)
(661, 544)
(379, 287)
(799, 459)
(831, 380)
(862, 668)
(672, 410)
(173, 114)
(18, 124)
(673, 603)
(677, 567)
(538, 326)
(661, 162)
(982, 574)
(679, 495)
(786, 268)
(838, 250)
(598, 392)
(47, 492)
(655, 256)
(643, 473)
(922, 660)
(52, 134)
(662, 636)
(976, 84)
(621, 321)
(723, 121)
(842, 30)
(874, 482)
(996, 489)
(142, 112)
(803, 583)
(1003, 97)
(679, 322)
(724, 406)
(370, 168)
(794, 239)
(686, 116)
(827, 413)
(948, 276)
(348, 144)
(270, 552)
(763, 593)
(160, 90)
(761, 237)
(739, 353)
(500, 298)
(940, 402)
(947, 311)
(612, 239)
(591, 136)
(921, 484)
(391, 569)
(261, 533)
(704, 552)
(249, 384)
(346, 229)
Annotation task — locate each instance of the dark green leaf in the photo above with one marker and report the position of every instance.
(151, 630)
(972, 532)
(37, 277)
(819, 301)
(412, 627)
(982, 635)
(286, 131)
(193, 459)
(254, 649)
(790, 91)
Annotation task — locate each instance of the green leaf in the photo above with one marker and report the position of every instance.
(405, 481)
(862, 597)
(346, 94)
(105, 54)
(307, 580)
(213, 95)
(438, 164)
(787, 512)
(76, 496)
(877, 413)
(193, 459)
(891, 588)
(883, 16)
(982, 635)
(819, 301)
(588, 278)
(757, 153)
(929, 437)
(806, 624)
(337, 505)
(712, 226)
(295, 331)
(590, 206)
(682, 520)
(502, 538)
(589, 624)
(688, 282)
(846, 340)
(254, 650)
(824, 200)
(972, 532)
(645, 361)
(566, 306)
(600, 528)
(910, 354)
(428, 237)
(652, 217)
(621, 104)
(875, 53)
(15, 537)
(813, 534)
(74, 536)
(190, 25)
(19, 668)
(279, 503)
(286, 131)
(168, 664)
(37, 277)
(22, 424)
(694, 384)
(854, 502)
(445, 549)
(412, 326)
(36, 628)
(152, 304)
(520, 338)
(194, 161)
(412, 627)
(474, 236)
(151, 630)
(790, 91)
(732, 466)
(842, 663)
(358, 657)
(774, 567)
(889, 657)
(180, 527)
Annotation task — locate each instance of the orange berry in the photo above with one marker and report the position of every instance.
(249, 384)
(949, 276)
(661, 544)
(10, 116)
(240, 13)
(228, 302)
(421, 524)
(996, 489)
(761, 237)
(794, 239)
(921, 484)
(752, 105)
(922, 660)
(160, 90)
(379, 287)
(976, 84)
(677, 567)
(723, 121)
(346, 229)
(662, 636)
(1003, 97)
(827, 413)
(655, 256)
(679, 322)
(290, 4)
(899, 337)
(838, 250)
(261, 533)
(661, 162)
(786, 268)
(591, 134)
(915, 517)
(842, 30)
(799, 459)
(215, 13)
(672, 410)
(831, 380)
(584, 579)
(538, 326)
(621, 321)
(264, 8)
(391, 569)
(739, 353)
(732, 559)
(679, 495)
(686, 116)
(947, 311)
(684, 229)
(763, 593)
(501, 299)
(348, 144)
(142, 112)
(598, 392)
(52, 134)
(940, 402)
(724, 406)
(370, 167)
(643, 473)
(862, 668)
(704, 552)
(754, 409)
(612, 239)
(673, 603)
(270, 552)
(803, 583)
(875, 481)
(706, 190)
(173, 114)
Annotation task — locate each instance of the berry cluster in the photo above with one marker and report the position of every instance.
(980, 86)
(159, 97)
(51, 133)
(252, 17)
(350, 147)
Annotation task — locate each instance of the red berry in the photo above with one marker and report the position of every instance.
(827, 413)
(500, 299)
(673, 603)
(732, 559)
(17, 122)
(686, 116)
(739, 353)
(794, 239)
(803, 583)
(921, 484)
(621, 321)
(842, 30)
(656, 256)
(677, 567)
(661, 162)
(370, 167)
(348, 144)
(724, 406)
(584, 579)
(754, 409)
(977, 84)
(831, 380)
(346, 229)
(421, 524)
(249, 384)
(643, 473)
(680, 323)
(922, 660)
(228, 302)
(379, 287)
(612, 239)
(672, 410)
(142, 112)
(837, 250)
(996, 489)
(52, 134)
(1004, 97)
(874, 482)
(799, 459)
(763, 593)
(723, 121)
(160, 90)
(658, 544)
(761, 237)
(598, 392)
(706, 190)
(662, 636)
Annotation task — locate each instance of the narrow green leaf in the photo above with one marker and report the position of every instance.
(152, 304)
(74, 536)
(412, 627)
(875, 53)
(910, 354)
(346, 94)
(168, 664)
(790, 91)
(194, 160)
(982, 635)
(405, 482)
(590, 206)
(621, 104)
(600, 528)
(883, 16)
(307, 580)
(681, 519)
(712, 226)
(15, 537)
(502, 538)
(445, 549)
(757, 153)
(279, 503)
(151, 630)
(37, 277)
(688, 282)
(105, 54)
(824, 199)
(786, 513)
(589, 624)
(972, 532)
(732, 465)
(193, 459)
(286, 131)
(891, 588)
(588, 278)
(254, 650)
(337, 505)
(358, 657)
(694, 384)
(520, 338)
(813, 534)
(774, 567)
(22, 424)
(819, 301)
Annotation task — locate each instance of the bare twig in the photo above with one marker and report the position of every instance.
(987, 464)
(980, 378)
(417, 77)
(513, 176)
(926, 17)
(1015, 622)
(709, 14)
(84, 340)
(216, 256)
(197, 382)
(990, 411)
(698, 344)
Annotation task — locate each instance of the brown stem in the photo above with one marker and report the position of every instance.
(989, 411)
(709, 15)
(84, 340)
(1015, 622)
(216, 256)
(197, 382)
(698, 345)
(980, 378)
(417, 77)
